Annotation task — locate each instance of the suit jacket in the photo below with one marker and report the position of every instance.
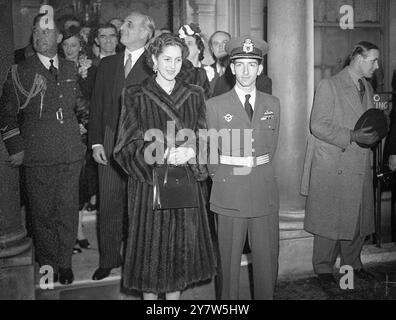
(242, 191)
(215, 78)
(47, 140)
(226, 82)
(106, 96)
(337, 174)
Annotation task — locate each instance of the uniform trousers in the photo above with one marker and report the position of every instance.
(263, 234)
(53, 200)
(325, 252)
(112, 208)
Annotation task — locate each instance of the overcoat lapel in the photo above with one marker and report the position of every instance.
(139, 62)
(119, 80)
(350, 92)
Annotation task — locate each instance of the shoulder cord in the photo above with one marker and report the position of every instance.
(39, 86)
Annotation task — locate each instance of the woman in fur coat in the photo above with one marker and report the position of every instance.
(167, 250)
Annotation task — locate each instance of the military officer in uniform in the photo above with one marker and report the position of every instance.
(43, 90)
(244, 192)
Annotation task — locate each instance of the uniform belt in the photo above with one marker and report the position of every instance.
(246, 161)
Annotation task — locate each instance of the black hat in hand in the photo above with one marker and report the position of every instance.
(376, 119)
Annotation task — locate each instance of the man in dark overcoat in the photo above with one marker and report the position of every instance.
(337, 174)
(114, 73)
(244, 193)
(43, 89)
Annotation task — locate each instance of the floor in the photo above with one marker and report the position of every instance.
(303, 287)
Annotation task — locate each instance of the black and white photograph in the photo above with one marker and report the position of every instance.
(209, 152)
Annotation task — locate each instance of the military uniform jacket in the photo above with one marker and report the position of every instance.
(48, 122)
(242, 191)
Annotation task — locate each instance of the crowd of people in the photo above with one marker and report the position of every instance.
(76, 109)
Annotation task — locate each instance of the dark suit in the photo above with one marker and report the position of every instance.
(105, 111)
(246, 201)
(53, 154)
(226, 82)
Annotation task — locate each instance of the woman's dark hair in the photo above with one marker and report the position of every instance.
(198, 39)
(73, 31)
(161, 42)
(360, 49)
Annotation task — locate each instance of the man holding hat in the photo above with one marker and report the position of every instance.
(337, 172)
(244, 192)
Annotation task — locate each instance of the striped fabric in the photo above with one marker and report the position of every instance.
(112, 189)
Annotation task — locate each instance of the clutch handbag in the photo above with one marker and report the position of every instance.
(174, 187)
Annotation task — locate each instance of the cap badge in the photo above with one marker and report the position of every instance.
(228, 117)
(248, 46)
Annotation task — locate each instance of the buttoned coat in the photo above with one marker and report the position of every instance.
(241, 191)
(337, 174)
(47, 140)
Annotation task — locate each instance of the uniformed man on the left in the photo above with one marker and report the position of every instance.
(42, 93)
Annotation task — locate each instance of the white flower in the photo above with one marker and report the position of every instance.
(209, 72)
(85, 64)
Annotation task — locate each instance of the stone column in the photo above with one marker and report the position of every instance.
(257, 20)
(206, 11)
(291, 68)
(12, 231)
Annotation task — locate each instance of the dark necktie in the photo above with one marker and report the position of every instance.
(362, 89)
(128, 65)
(248, 107)
(53, 70)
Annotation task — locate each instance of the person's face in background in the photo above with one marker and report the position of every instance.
(369, 63)
(192, 46)
(72, 48)
(134, 34)
(168, 63)
(107, 40)
(218, 43)
(45, 41)
(246, 71)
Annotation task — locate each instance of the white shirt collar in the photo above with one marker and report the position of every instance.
(242, 96)
(46, 61)
(135, 55)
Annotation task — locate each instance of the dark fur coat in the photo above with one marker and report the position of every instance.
(167, 250)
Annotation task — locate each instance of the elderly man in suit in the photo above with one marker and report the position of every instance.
(244, 193)
(337, 172)
(114, 73)
(217, 43)
(43, 89)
